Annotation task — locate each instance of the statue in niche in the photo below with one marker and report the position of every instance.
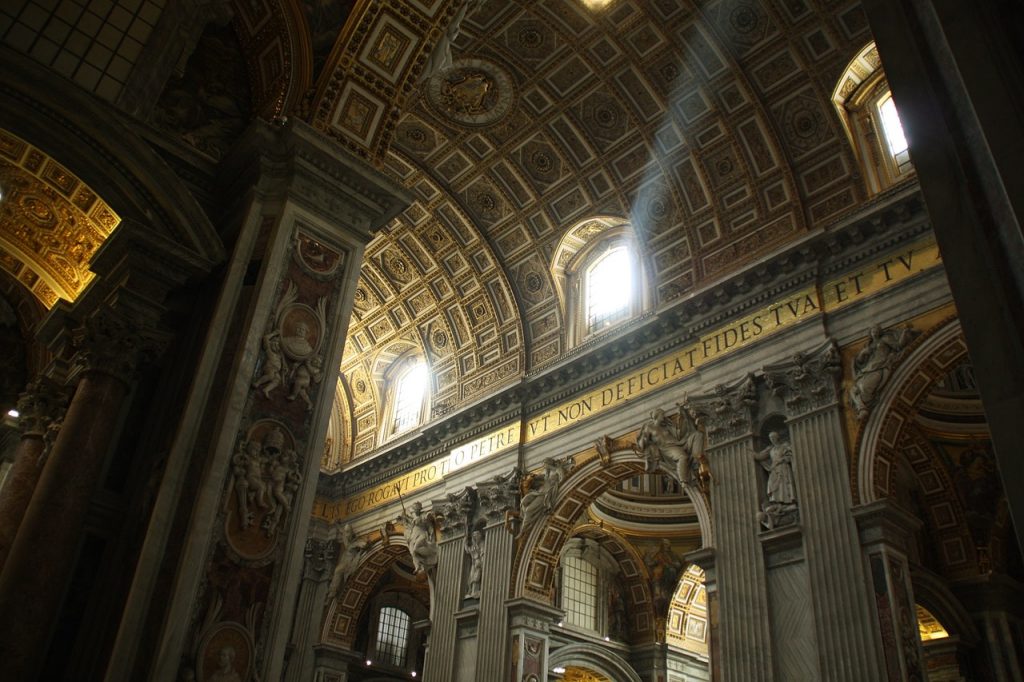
(273, 364)
(475, 549)
(350, 553)
(874, 364)
(777, 459)
(664, 567)
(225, 671)
(421, 537)
(539, 502)
(668, 448)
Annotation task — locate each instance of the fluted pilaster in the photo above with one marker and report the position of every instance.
(446, 593)
(495, 499)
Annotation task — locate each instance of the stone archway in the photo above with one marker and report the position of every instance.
(927, 361)
(536, 559)
(344, 613)
(596, 659)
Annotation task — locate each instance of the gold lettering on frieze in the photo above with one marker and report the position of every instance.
(834, 294)
(880, 274)
(722, 341)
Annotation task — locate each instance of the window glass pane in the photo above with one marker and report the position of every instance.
(409, 398)
(392, 636)
(609, 289)
(579, 592)
(891, 126)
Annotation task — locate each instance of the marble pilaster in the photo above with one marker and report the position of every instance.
(446, 588)
(743, 634)
(844, 626)
(496, 498)
(320, 556)
(529, 638)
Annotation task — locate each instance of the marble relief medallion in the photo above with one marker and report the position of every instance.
(225, 654)
(301, 331)
(471, 92)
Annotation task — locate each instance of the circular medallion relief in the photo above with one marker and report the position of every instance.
(471, 92)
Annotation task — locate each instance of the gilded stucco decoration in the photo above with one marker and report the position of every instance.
(51, 223)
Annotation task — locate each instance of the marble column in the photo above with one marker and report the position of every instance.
(446, 587)
(39, 410)
(844, 624)
(320, 556)
(42, 558)
(884, 531)
(496, 498)
(743, 635)
(303, 211)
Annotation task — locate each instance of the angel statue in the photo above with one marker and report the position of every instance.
(350, 553)
(671, 449)
(540, 502)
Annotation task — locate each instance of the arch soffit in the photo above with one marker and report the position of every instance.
(536, 560)
(932, 592)
(596, 658)
(343, 614)
(107, 156)
(933, 355)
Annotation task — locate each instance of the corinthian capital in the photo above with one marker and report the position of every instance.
(114, 344)
(42, 402)
(454, 513)
(728, 411)
(808, 381)
(497, 496)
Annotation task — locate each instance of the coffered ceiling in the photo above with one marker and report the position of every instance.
(708, 125)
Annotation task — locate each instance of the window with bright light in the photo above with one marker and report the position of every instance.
(891, 126)
(609, 289)
(392, 637)
(872, 123)
(410, 390)
(579, 592)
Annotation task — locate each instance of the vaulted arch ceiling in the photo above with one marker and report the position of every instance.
(708, 125)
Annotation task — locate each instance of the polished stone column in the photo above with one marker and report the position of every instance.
(39, 408)
(844, 624)
(42, 558)
(743, 635)
(885, 530)
(320, 556)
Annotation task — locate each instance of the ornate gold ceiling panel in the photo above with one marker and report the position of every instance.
(51, 223)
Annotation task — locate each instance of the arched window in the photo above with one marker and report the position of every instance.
(588, 576)
(391, 646)
(872, 123)
(407, 392)
(608, 289)
(599, 276)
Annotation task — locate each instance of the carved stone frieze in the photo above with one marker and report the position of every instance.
(808, 381)
(874, 365)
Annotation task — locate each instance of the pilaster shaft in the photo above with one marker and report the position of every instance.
(446, 593)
